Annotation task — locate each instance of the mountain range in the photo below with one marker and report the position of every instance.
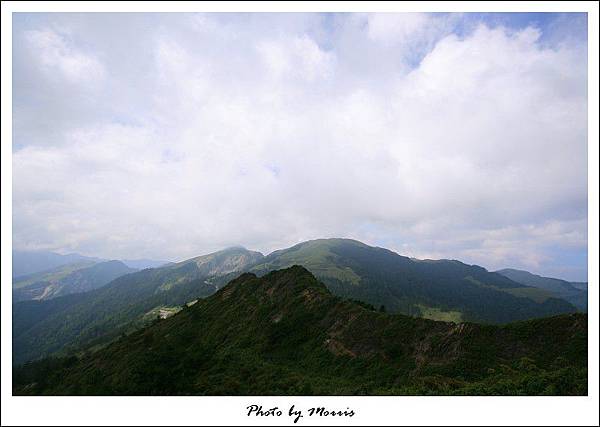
(41, 328)
(67, 279)
(30, 262)
(41, 275)
(573, 292)
(26, 263)
(440, 289)
(285, 333)
(445, 290)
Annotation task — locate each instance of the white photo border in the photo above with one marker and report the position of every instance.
(370, 410)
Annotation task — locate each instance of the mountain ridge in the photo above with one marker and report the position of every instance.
(31, 262)
(572, 292)
(380, 276)
(350, 269)
(40, 329)
(284, 333)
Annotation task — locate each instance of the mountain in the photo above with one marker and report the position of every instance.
(580, 285)
(54, 274)
(286, 334)
(231, 260)
(29, 262)
(66, 323)
(575, 293)
(68, 279)
(141, 264)
(441, 290)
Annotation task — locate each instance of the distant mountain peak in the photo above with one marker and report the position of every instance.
(227, 251)
(337, 240)
(226, 261)
(332, 241)
(236, 248)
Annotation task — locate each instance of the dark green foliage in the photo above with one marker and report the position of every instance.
(285, 334)
(362, 304)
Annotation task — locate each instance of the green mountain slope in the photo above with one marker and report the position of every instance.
(68, 279)
(285, 333)
(443, 289)
(63, 324)
(575, 293)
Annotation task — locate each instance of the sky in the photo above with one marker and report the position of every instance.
(167, 136)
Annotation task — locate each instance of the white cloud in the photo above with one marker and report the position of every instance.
(222, 130)
(397, 27)
(57, 55)
(298, 58)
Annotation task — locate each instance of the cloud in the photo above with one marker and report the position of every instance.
(56, 55)
(396, 27)
(405, 131)
(299, 58)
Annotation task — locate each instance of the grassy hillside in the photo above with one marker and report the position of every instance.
(285, 333)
